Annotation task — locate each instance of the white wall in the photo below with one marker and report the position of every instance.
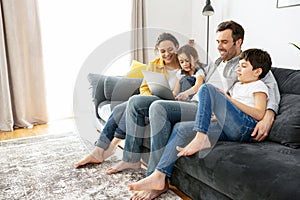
(172, 16)
(265, 27)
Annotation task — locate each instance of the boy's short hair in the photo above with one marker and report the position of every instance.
(258, 59)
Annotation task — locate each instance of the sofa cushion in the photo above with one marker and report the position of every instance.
(286, 127)
(136, 70)
(120, 88)
(287, 80)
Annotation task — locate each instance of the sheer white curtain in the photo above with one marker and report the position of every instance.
(138, 32)
(22, 88)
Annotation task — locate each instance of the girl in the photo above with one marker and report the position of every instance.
(191, 76)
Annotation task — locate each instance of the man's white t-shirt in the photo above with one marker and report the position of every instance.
(217, 79)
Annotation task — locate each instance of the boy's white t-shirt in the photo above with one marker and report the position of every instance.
(244, 92)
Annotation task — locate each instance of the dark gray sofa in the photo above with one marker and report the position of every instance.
(232, 170)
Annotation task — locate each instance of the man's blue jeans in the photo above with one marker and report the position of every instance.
(232, 125)
(114, 127)
(162, 115)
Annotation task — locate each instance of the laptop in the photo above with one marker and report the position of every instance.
(158, 84)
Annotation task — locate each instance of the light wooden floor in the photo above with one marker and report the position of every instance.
(56, 127)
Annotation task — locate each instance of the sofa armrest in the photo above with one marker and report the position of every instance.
(112, 89)
(97, 89)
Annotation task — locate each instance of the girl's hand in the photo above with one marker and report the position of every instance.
(182, 96)
(213, 118)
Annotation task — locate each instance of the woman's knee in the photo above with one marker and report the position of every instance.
(157, 109)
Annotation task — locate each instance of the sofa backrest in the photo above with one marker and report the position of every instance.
(287, 80)
(286, 127)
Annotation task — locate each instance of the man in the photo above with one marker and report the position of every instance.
(163, 115)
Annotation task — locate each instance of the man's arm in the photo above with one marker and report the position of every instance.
(263, 127)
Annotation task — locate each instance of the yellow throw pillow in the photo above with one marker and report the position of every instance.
(136, 70)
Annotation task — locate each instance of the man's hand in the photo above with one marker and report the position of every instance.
(263, 127)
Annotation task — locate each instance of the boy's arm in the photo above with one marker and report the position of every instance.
(259, 109)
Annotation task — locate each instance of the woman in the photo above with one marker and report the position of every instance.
(136, 122)
(115, 128)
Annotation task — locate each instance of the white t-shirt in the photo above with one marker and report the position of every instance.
(217, 79)
(172, 77)
(200, 72)
(244, 92)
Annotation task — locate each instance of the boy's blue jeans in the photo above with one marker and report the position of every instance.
(231, 125)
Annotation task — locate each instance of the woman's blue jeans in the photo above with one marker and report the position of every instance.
(114, 127)
(231, 125)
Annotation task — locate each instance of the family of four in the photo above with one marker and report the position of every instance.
(234, 99)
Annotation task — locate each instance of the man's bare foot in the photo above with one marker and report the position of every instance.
(156, 181)
(122, 165)
(201, 141)
(95, 157)
(148, 194)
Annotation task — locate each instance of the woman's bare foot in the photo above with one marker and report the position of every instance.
(88, 159)
(122, 165)
(156, 181)
(111, 148)
(201, 141)
(95, 157)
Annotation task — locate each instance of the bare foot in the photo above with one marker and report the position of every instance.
(122, 165)
(156, 181)
(200, 142)
(111, 148)
(148, 194)
(88, 159)
(95, 157)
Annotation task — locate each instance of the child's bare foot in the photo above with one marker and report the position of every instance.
(156, 181)
(201, 141)
(122, 165)
(95, 157)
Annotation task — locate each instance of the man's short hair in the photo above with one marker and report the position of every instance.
(237, 30)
